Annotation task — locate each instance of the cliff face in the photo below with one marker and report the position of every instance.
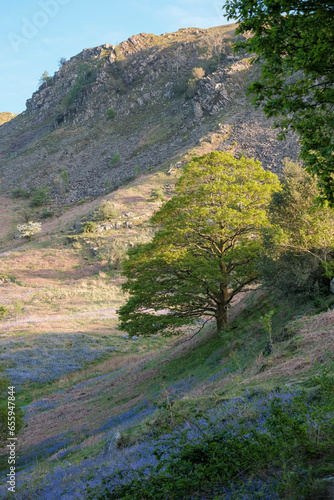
(112, 112)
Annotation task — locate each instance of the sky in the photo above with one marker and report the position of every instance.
(36, 34)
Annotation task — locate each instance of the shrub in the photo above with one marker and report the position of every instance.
(111, 113)
(64, 180)
(107, 186)
(136, 170)
(116, 256)
(44, 78)
(20, 193)
(181, 85)
(27, 214)
(115, 159)
(284, 441)
(4, 310)
(106, 211)
(46, 213)
(87, 76)
(188, 84)
(198, 73)
(30, 229)
(39, 197)
(88, 227)
(299, 246)
(157, 194)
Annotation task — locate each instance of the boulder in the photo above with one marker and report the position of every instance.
(331, 285)
(112, 442)
(77, 227)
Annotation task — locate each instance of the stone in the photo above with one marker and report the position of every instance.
(112, 443)
(331, 285)
(94, 251)
(77, 227)
(198, 111)
(140, 62)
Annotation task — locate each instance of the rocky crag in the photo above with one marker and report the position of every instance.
(112, 112)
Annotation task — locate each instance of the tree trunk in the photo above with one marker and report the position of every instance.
(221, 317)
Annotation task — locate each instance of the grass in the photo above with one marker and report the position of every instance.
(150, 387)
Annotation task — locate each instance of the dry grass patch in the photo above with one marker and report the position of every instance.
(311, 345)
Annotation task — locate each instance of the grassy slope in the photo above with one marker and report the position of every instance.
(124, 393)
(72, 414)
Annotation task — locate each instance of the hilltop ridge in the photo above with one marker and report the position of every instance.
(6, 116)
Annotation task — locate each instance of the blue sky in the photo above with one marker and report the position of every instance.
(35, 34)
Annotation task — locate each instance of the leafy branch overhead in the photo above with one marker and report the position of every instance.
(293, 41)
(205, 250)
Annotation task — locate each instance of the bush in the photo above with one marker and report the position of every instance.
(273, 453)
(4, 310)
(188, 84)
(116, 255)
(64, 178)
(299, 246)
(45, 78)
(115, 159)
(39, 197)
(181, 85)
(20, 193)
(106, 211)
(30, 229)
(87, 75)
(136, 170)
(107, 186)
(111, 113)
(157, 194)
(293, 273)
(88, 227)
(46, 213)
(27, 213)
(198, 73)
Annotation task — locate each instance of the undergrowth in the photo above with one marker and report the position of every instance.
(276, 446)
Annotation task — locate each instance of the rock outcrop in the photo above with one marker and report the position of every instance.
(112, 112)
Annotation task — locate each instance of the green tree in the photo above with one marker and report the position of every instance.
(205, 250)
(116, 159)
(39, 196)
(299, 246)
(111, 113)
(293, 40)
(44, 78)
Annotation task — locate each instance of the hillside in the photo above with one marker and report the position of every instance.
(6, 117)
(108, 415)
(112, 112)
